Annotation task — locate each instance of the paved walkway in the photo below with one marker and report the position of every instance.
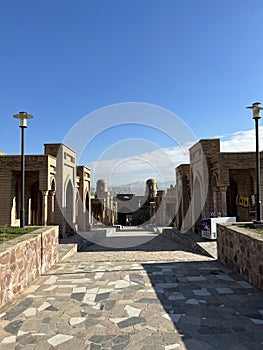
(159, 295)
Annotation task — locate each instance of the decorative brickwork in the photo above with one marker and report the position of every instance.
(216, 183)
(57, 192)
(24, 258)
(241, 251)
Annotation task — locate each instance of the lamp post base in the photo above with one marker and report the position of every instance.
(22, 218)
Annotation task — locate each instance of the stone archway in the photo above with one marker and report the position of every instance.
(35, 210)
(124, 216)
(53, 185)
(52, 203)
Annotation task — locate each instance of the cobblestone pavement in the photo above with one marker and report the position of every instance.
(159, 296)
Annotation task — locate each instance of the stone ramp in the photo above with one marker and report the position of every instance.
(191, 240)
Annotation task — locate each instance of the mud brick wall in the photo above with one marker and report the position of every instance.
(241, 251)
(25, 258)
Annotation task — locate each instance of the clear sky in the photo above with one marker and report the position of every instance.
(62, 60)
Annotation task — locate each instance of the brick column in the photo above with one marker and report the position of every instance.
(44, 207)
(223, 199)
(214, 190)
(52, 207)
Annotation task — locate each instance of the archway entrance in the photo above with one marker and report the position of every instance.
(36, 204)
(125, 217)
(232, 193)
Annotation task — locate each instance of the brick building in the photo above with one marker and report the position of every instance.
(57, 191)
(223, 183)
(103, 205)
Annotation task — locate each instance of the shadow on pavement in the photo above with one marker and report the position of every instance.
(210, 307)
(156, 243)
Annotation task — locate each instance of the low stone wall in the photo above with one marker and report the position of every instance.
(241, 251)
(25, 258)
(190, 240)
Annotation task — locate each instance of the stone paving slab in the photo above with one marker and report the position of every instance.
(156, 296)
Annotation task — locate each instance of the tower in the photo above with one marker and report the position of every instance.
(151, 188)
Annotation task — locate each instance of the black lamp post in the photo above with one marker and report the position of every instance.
(256, 115)
(23, 116)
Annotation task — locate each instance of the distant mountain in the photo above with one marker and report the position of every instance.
(137, 188)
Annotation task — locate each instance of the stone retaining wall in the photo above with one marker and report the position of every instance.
(241, 251)
(190, 240)
(25, 258)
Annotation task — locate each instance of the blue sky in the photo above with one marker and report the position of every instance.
(62, 60)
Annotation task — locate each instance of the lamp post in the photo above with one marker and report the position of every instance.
(23, 116)
(256, 115)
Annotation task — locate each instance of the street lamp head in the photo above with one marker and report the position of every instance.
(23, 116)
(256, 106)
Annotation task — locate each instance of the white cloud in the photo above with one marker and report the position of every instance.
(161, 163)
(241, 141)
